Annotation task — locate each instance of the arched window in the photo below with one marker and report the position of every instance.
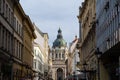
(59, 55)
(52, 55)
(59, 74)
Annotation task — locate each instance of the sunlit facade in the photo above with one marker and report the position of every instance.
(41, 49)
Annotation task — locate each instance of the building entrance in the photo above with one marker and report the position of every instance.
(59, 74)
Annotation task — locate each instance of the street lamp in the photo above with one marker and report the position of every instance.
(98, 54)
(85, 71)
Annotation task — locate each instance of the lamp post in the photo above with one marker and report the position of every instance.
(98, 54)
(85, 71)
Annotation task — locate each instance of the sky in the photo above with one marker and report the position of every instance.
(50, 15)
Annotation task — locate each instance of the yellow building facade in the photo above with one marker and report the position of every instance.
(24, 36)
(27, 56)
(18, 41)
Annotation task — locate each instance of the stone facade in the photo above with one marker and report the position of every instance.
(27, 56)
(58, 56)
(108, 38)
(86, 44)
(41, 48)
(73, 59)
(12, 37)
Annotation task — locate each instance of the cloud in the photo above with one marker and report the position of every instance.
(49, 15)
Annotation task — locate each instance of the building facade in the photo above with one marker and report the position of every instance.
(41, 48)
(27, 56)
(86, 43)
(12, 39)
(6, 39)
(58, 55)
(73, 59)
(108, 38)
(38, 64)
(18, 16)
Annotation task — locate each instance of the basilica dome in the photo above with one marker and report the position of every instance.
(59, 42)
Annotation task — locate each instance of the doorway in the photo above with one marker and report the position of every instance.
(59, 74)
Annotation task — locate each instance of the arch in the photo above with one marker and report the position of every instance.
(59, 74)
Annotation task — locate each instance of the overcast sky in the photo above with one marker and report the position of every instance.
(49, 15)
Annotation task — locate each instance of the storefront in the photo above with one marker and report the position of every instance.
(111, 62)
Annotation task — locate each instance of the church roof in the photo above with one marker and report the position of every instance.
(59, 42)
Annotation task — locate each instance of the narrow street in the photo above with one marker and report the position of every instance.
(60, 40)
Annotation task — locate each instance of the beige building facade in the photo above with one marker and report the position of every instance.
(86, 43)
(27, 57)
(42, 43)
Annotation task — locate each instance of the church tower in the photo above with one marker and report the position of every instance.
(59, 55)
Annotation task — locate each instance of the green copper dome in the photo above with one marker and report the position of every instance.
(59, 42)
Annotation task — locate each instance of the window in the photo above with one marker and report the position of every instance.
(56, 55)
(4, 8)
(15, 47)
(59, 55)
(12, 19)
(11, 45)
(106, 6)
(20, 29)
(20, 51)
(4, 36)
(17, 50)
(7, 12)
(63, 55)
(14, 23)
(52, 55)
(0, 35)
(34, 51)
(7, 40)
(17, 25)
(9, 15)
(0, 5)
(119, 13)
(35, 64)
